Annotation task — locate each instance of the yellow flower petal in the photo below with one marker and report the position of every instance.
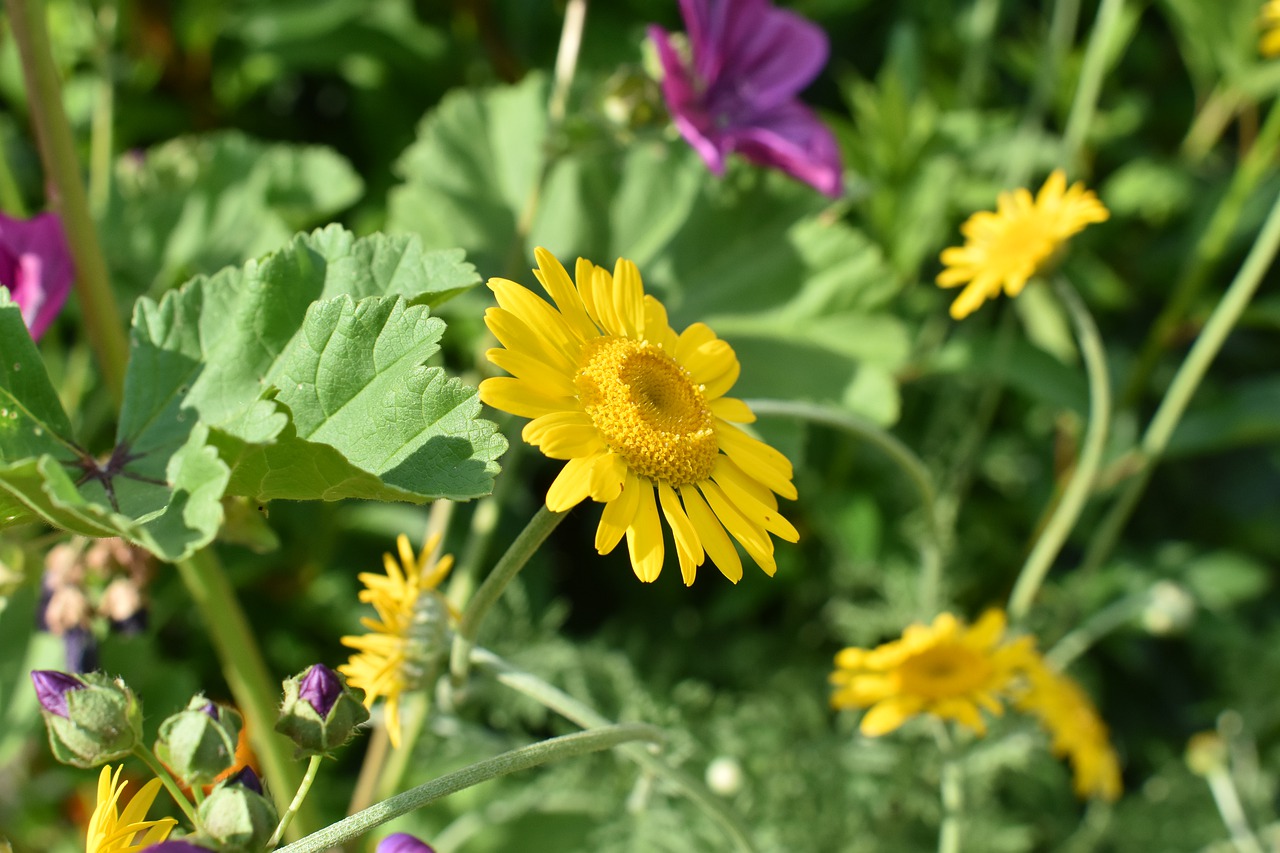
(644, 538)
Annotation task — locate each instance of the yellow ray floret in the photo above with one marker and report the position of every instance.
(1006, 248)
(639, 414)
(400, 649)
(1269, 21)
(113, 831)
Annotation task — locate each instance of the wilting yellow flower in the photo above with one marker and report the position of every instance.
(640, 414)
(409, 638)
(944, 669)
(1006, 248)
(1075, 729)
(111, 830)
(1269, 20)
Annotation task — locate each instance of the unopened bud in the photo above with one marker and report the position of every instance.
(1206, 753)
(92, 719)
(1170, 609)
(237, 815)
(199, 743)
(320, 711)
(402, 842)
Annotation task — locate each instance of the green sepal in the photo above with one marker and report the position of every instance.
(103, 723)
(196, 746)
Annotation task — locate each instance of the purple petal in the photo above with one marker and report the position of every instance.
(685, 103)
(175, 847)
(791, 138)
(246, 778)
(211, 710)
(36, 267)
(52, 688)
(402, 842)
(321, 687)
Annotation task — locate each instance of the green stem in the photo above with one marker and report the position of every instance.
(1062, 27)
(524, 546)
(982, 24)
(575, 18)
(1077, 491)
(1187, 380)
(162, 773)
(1227, 799)
(11, 200)
(375, 758)
(933, 547)
(523, 758)
(103, 325)
(299, 798)
(587, 717)
(1206, 255)
(1086, 99)
(1097, 626)
(257, 695)
(950, 791)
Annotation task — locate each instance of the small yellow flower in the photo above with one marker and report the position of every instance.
(409, 638)
(943, 669)
(1269, 20)
(641, 415)
(1075, 729)
(111, 830)
(1006, 248)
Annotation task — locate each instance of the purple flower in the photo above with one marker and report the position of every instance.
(321, 687)
(175, 847)
(246, 778)
(749, 61)
(36, 267)
(52, 688)
(402, 842)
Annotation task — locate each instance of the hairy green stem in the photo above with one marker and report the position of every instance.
(583, 715)
(1085, 102)
(256, 693)
(1208, 251)
(1227, 799)
(162, 773)
(1064, 517)
(933, 546)
(103, 325)
(1156, 438)
(1100, 624)
(298, 799)
(102, 129)
(951, 791)
(524, 546)
(982, 25)
(555, 749)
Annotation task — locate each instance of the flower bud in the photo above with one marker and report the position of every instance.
(198, 744)
(1206, 754)
(92, 719)
(402, 842)
(1170, 609)
(320, 711)
(237, 816)
(176, 846)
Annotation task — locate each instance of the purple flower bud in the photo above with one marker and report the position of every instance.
(211, 709)
(321, 688)
(52, 688)
(175, 847)
(402, 842)
(246, 778)
(36, 267)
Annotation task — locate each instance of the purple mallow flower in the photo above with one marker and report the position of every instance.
(402, 842)
(321, 687)
(36, 267)
(749, 61)
(52, 688)
(246, 778)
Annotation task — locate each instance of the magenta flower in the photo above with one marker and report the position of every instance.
(35, 266)
(402, 842)
(749, 61)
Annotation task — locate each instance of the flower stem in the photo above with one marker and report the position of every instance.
(575, 18)
(103, 325)
(1097, 626)
(933, 547)
(101, 132)
(1187, 380)
(11, 200)
(523, 758)
(1090, 85)
(1227, 799)
(298, 798)
(1077, 491)
(583, 715)
(950, 791)
(162, 773)
(255, 692)
(524, 546)
(982, 24)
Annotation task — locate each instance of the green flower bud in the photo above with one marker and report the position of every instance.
(92, 724)
(198, 744)
(320, 711)
(237, 816)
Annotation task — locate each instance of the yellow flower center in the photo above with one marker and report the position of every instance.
(648, 410)
(1024, 240)
(944, 671)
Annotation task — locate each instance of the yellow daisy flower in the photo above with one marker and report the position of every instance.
(945, 669)
(641, 415)
(409, 638)
(111, 830)
(1269, 20)
(1006, 248)
(1076, 730)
